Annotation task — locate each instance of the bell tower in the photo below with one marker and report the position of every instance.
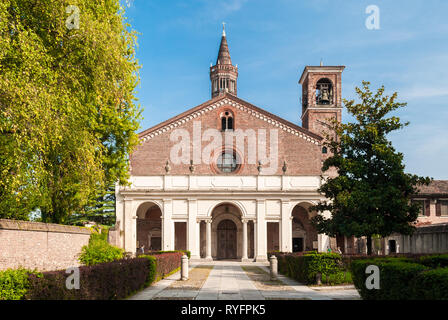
(223, 75)
(321, 97)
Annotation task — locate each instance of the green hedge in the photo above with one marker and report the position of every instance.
(186, 252)
(105, 281)
(152, 270)
(434, 261)
(305, 267)
(167, 262)
(395, 277)
(404, 278)
(337, 278)
(431, 285)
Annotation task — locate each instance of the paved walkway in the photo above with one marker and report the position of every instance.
(228, 281)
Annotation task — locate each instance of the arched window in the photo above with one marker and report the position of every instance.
(230, 123)
(324, 150)
(224, 123)
(227, 121)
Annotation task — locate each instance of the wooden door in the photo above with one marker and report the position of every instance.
(156, 243)
(340, 243)
(226, 240)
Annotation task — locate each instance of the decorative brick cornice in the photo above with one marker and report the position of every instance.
(229, 100)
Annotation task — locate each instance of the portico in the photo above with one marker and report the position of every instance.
(219, 224)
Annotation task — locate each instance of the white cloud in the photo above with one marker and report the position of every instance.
(219, 9)
(233, 5)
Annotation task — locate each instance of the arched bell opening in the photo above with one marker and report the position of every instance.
(324, 92)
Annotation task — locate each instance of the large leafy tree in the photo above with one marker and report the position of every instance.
(371, 193)
(68, 112)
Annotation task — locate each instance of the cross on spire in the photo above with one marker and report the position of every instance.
(224, 29)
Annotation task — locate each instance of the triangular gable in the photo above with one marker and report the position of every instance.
(239, 104)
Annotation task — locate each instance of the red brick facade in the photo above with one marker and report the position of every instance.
(303, 157)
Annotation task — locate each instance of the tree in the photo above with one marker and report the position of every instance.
(100, 210)
(68, 112)
(371, 195)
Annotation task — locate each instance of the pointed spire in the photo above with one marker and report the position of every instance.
(223, 75)
(224, 54)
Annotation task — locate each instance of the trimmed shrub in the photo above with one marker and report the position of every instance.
(282, 265)
(396, 275)
(305, 267)
(15, 283)
(323, 263)
(166, 263)
(99, 251)
(348, 259)
(340, 277)
(186, 252)
(105, 281)
(434, 261)
(152, 271)
(430, 285)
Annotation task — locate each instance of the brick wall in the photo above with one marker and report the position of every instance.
(40, 246)
(302, 157)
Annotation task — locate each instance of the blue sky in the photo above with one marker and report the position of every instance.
(272, 41)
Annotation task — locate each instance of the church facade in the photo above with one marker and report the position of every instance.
(229, 180)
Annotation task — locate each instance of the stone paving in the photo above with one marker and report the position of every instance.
(228, 281)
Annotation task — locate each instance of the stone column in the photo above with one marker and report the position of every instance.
(261, 254)
(167, 226)
(244, 258)
(192, 229)
(209, 240)
(120, 214)
(198, 236)
(286, 228)
(130, 227)
(255, 239)
(323, 242)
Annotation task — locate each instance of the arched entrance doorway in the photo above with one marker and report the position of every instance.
(229, 235)
(227, 247)
(304, 235)
(149, 226)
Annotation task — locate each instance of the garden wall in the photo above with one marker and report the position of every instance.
(40, 246)
(426, 239)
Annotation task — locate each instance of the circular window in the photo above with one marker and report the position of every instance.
(227, 162)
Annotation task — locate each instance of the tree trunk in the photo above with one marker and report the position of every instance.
(369, 245)
(319, 278)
